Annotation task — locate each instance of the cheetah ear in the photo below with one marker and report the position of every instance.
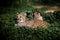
(25, 14)
(39, 14)
(35, 13)
(17, 13)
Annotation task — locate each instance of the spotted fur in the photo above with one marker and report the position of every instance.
(37, 21)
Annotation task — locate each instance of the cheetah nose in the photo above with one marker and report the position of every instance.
(17, 19)
(20, 19)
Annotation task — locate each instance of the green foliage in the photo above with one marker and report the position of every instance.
(8, 31)
(24, 33)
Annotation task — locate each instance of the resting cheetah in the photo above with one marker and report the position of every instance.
(22, 20)
(37, 21)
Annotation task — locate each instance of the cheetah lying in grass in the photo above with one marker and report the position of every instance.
(37, 21)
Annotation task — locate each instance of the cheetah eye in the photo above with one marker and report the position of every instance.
(20, 16)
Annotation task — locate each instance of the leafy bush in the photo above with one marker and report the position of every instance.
(24, 33)
(8, 31)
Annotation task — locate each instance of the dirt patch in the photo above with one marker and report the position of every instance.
(38, 6)
(49, 8)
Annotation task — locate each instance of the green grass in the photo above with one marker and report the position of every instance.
(9, 32)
